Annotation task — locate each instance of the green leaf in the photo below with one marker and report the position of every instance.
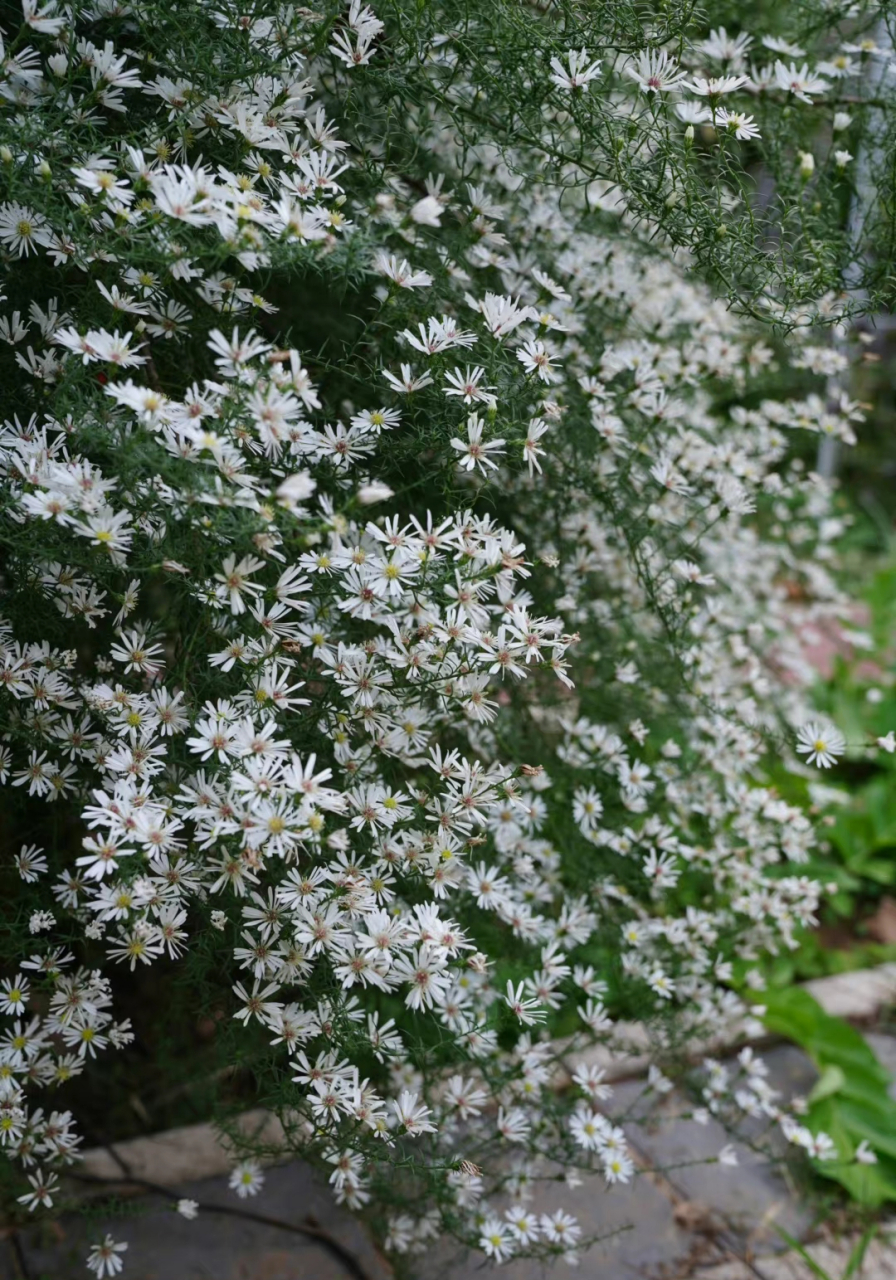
(882, 871)
(857, 1257)
(810, 1262)
(830, 1081)
(850, 1101)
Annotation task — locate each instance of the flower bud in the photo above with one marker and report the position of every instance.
(807, 165)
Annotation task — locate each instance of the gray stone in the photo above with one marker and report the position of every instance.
(884, 1047)
(637, 1221)
(749, 1197)
(215, 1246)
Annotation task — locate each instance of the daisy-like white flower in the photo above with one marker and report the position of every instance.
(742, 126)
(409, 382)
(400, 272)
(412, 1116)
(820, 743)
(777, 45)
(654, 71)
(528, 1011)
(105, 1258)
(532, 450)
(465, 383)
(578, 71)
(496, 1240)
(475, 452)
(725, 48)
(246, 1179)
(22, 230)
(799, 81)
(44, 1187)
(536, 358)
(13, 994)
(715, 86)
(693, 112)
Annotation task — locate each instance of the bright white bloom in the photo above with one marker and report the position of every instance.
(105, 1258)
(246, 1178)
(476, 452)
(799, 81)
(821, 743)
(578, 71)
(654, 71)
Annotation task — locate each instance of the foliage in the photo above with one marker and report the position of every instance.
(850, 1101)
(392, 800)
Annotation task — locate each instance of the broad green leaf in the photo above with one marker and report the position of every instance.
(830, 1081)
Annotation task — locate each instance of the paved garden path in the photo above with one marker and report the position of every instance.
(702, 1222)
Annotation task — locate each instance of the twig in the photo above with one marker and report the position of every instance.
(18, 1253)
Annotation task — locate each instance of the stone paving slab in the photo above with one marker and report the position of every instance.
(689, 1222)
(648, 1234)
(215, 1246)
(885, 1048)
(749, 1197)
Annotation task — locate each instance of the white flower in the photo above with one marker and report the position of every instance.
(799, 81)
(296, 488)
(474, 450)
(578, 71)
(427, 212)
(400, 273)
(246, 1178)
(496, 1240)
(528, 1011)
(820, 743)
(411, 1115)
(654, 71)
(465, 384)
(742, 126)
(23, 229)
(105, 1258)
(188, 1209)
(725, 48)
(715, 86)
(45, 1186)
(536, 358)
(374, 492)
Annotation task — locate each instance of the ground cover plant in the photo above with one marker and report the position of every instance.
(405, 563)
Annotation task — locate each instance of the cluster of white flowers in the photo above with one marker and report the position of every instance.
(442, 780)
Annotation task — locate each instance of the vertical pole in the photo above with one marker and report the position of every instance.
(870, 157)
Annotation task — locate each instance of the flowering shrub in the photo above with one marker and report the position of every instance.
(405, 563)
